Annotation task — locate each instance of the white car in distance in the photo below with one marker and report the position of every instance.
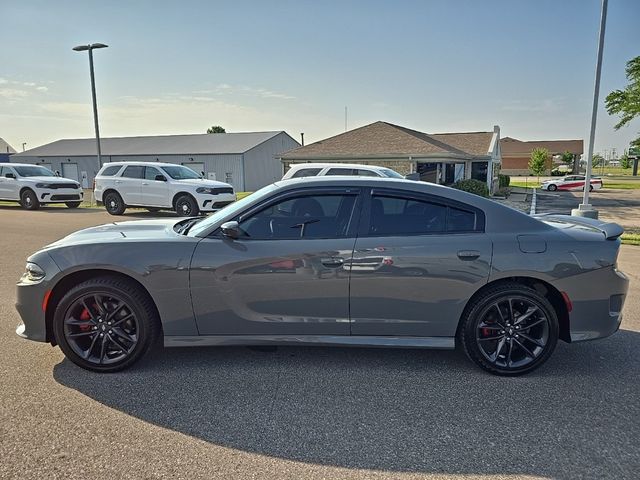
(159, 186)
(34, 185)
(321, 169)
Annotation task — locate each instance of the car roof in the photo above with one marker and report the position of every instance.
(12, 164)
(337, 165)
(159, 164)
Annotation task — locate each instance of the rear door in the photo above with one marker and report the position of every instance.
(129, 184)
(417, 261)
(286, 274)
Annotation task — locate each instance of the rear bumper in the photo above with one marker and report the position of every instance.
(597, 299)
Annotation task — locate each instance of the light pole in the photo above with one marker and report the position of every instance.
(23, 145)
(90, 48)
(585, 209)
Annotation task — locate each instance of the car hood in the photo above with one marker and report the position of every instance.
(157, 230)
(203, 182)
(50, 180)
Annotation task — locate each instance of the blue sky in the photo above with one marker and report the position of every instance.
(436, 66)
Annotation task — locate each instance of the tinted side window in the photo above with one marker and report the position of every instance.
(110, 171)
(340, 171)
(367, 173)
(306, 172)
(133, 171)
(151, 172)
(460, 220)
(313, 216)
(397, 216)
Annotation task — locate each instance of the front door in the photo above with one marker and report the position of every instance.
(417, 261)
(287, 274)
(155, 193)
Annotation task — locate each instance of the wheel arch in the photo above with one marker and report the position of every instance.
(180, 194)
(543, 287)
(72, 279)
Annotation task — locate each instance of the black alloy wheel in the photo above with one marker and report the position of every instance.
(114, 204)
(29, 200)
(186, 206)
(552, 188)
(105, 324)
(510, 330)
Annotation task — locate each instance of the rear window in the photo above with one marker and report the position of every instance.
(340, 171)
(306, 172)
(111, 171)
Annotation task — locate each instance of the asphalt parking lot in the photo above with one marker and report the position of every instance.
(309, 412)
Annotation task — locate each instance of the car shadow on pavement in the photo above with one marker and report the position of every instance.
(393, 410)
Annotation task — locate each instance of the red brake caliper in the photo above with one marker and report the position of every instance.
(84, 315)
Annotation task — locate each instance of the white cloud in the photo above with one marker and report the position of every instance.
(3, 81)
(42, 89)
(13, 94)
(245, 91)
(548, 105)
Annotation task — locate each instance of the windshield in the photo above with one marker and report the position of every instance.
(390, 173)
(181, 173)
(34, 171)
(230, 210)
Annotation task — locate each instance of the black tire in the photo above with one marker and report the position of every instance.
(29, 200)
(72, 204)
(186, 206)
(114, 204)
(552, 188)
(478, 333)
(106, 344)
(153, 209)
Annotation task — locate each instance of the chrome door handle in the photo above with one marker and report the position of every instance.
(468, 254)
(332, 262)
(118, 181)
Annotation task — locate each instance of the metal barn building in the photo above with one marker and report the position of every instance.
(247, 161)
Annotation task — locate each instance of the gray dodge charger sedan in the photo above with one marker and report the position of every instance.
(330, 261)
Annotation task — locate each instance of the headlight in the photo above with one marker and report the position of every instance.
(32, 273)
(43, 185)
(209, 190)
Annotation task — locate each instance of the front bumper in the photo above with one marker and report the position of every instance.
(210, 203)
(30, 298)
(597, 299)
(59, 195)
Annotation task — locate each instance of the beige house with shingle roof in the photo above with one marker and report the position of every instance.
(442, 158)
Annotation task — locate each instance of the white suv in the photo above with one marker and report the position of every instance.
(33, 185)
(321, 169)
(157, 186)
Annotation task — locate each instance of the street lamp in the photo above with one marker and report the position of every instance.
(90, 48)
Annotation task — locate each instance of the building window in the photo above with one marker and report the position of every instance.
(479, 171)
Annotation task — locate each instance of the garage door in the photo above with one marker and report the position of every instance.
(196, 167)
(70, 170)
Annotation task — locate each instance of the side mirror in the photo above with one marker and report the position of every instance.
(161, 178)
(10, 175)
(230, 230)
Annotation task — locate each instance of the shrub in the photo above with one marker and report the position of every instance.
(503, 180)
(472, 186)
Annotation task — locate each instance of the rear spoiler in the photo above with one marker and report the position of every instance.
(610, 230)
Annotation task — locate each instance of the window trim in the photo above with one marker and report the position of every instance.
(352, 225)
(365, 216)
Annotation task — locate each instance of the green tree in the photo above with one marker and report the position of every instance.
(538, 161)
(625, 161)
(216, 129)
(567, 158)
(626, 103)
(597, 160)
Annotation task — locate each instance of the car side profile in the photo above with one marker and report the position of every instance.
(34, 185)
(159, 186)
(301, 170)
(347, 261)
(571, 182)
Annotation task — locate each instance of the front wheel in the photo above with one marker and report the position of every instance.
(186, 206)
(509, 330)
(552, 188)
(114, 204)
(72, 204)
(105, 324)
(29, 200)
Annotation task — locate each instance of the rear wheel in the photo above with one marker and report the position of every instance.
(509, 330)
(72, 204)
(29, 200)
(114, 204)
(552, 187)
(186, 206)
(105, 324)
